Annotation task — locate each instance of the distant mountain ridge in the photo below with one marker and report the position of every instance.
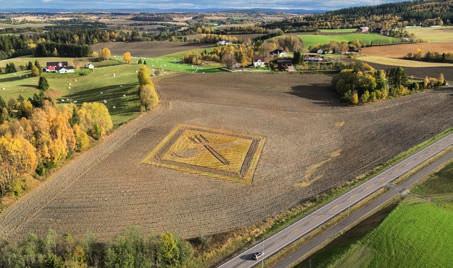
(155, 10)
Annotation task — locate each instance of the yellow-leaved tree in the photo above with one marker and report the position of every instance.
(149, 98)
(127, 57)
(95, 119)
(105, 53)
(17, 158)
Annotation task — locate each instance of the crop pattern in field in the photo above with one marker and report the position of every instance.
(216, 153)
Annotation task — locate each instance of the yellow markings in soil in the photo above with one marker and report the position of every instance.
(310, 174)
(210, 152)
(340, 124)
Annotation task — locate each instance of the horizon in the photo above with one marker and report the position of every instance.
(189, 5)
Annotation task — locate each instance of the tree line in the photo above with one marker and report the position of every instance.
(70, 43)
(37, 135)
(127, 250)
(361, 83)
(430, 56)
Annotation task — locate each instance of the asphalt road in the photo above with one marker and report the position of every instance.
(317, 218)
(394, 191)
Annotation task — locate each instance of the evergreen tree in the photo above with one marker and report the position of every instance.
(35, 71)
(43, 84)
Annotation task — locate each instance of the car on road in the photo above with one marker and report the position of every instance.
(257, 255)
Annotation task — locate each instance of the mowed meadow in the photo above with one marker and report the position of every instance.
(418, 233)
(311, 40)
(112, 83)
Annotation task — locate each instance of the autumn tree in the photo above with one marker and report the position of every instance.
(82, 138)
(149, 98)
(442, 80)
(127, 57)
(17, 158)
(105, 53)
(95, 119)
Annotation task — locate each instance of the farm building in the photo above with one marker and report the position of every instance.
(313, 57)
(66, 70)
(278, 52)
(284, 64)
(90, 66)
(364, 29)
(259, 62)
(58, 67)
(223, 43)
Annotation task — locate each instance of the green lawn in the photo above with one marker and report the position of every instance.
(114, 84)
(173, 63)
(350, 30)
(24, 61)
(311, 40)
(418, 233)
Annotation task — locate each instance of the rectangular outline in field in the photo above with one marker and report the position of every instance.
(248, 166)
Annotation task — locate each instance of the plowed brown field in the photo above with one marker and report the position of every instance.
(312, 143)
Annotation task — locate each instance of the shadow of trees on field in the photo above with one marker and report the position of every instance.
(30, 86)
(119, 99)
(321, 94)
(14, 78)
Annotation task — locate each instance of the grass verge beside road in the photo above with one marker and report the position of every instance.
(418, 233)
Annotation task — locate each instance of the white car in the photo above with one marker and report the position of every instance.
(257, 255)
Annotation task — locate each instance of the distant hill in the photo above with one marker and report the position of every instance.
(173, 10)
(412, 11)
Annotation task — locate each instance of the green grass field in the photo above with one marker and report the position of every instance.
(173, 63)
(418, 233)
(432, 34)
(350, 30)
(311, 40)
(111, 83)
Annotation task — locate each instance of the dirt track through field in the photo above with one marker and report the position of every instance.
(109, 189)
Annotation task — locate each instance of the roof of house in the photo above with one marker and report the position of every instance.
(57, 63)
(279, 50)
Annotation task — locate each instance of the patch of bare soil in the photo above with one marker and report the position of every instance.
(309, 135)
(146, 49)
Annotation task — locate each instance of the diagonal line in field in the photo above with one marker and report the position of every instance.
(202, 140)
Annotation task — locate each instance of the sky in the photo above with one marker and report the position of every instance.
(187, 4)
